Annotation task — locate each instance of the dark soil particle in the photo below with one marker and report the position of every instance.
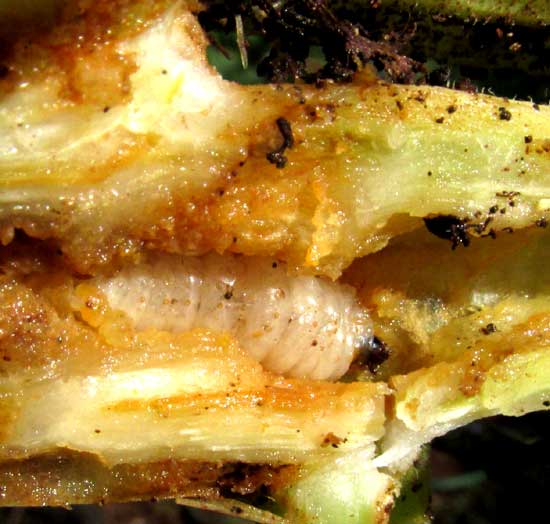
(504, 114)
(488, 329)
(292, 27)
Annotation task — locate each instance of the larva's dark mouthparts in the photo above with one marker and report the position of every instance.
(372, 353)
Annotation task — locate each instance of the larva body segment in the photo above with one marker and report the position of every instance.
(298, 326)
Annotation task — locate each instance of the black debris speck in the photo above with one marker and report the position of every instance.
(488, 329)
(504, 114)
(278, 157)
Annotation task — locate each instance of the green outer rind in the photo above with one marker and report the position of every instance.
(411, 506)
(430, 400)
(349, 490)
(529, 12)
(524, 12)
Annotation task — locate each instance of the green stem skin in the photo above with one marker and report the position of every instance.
(524, 12)
(349, 491)
(413, 502)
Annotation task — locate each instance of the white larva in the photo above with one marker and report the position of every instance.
(297, 326)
